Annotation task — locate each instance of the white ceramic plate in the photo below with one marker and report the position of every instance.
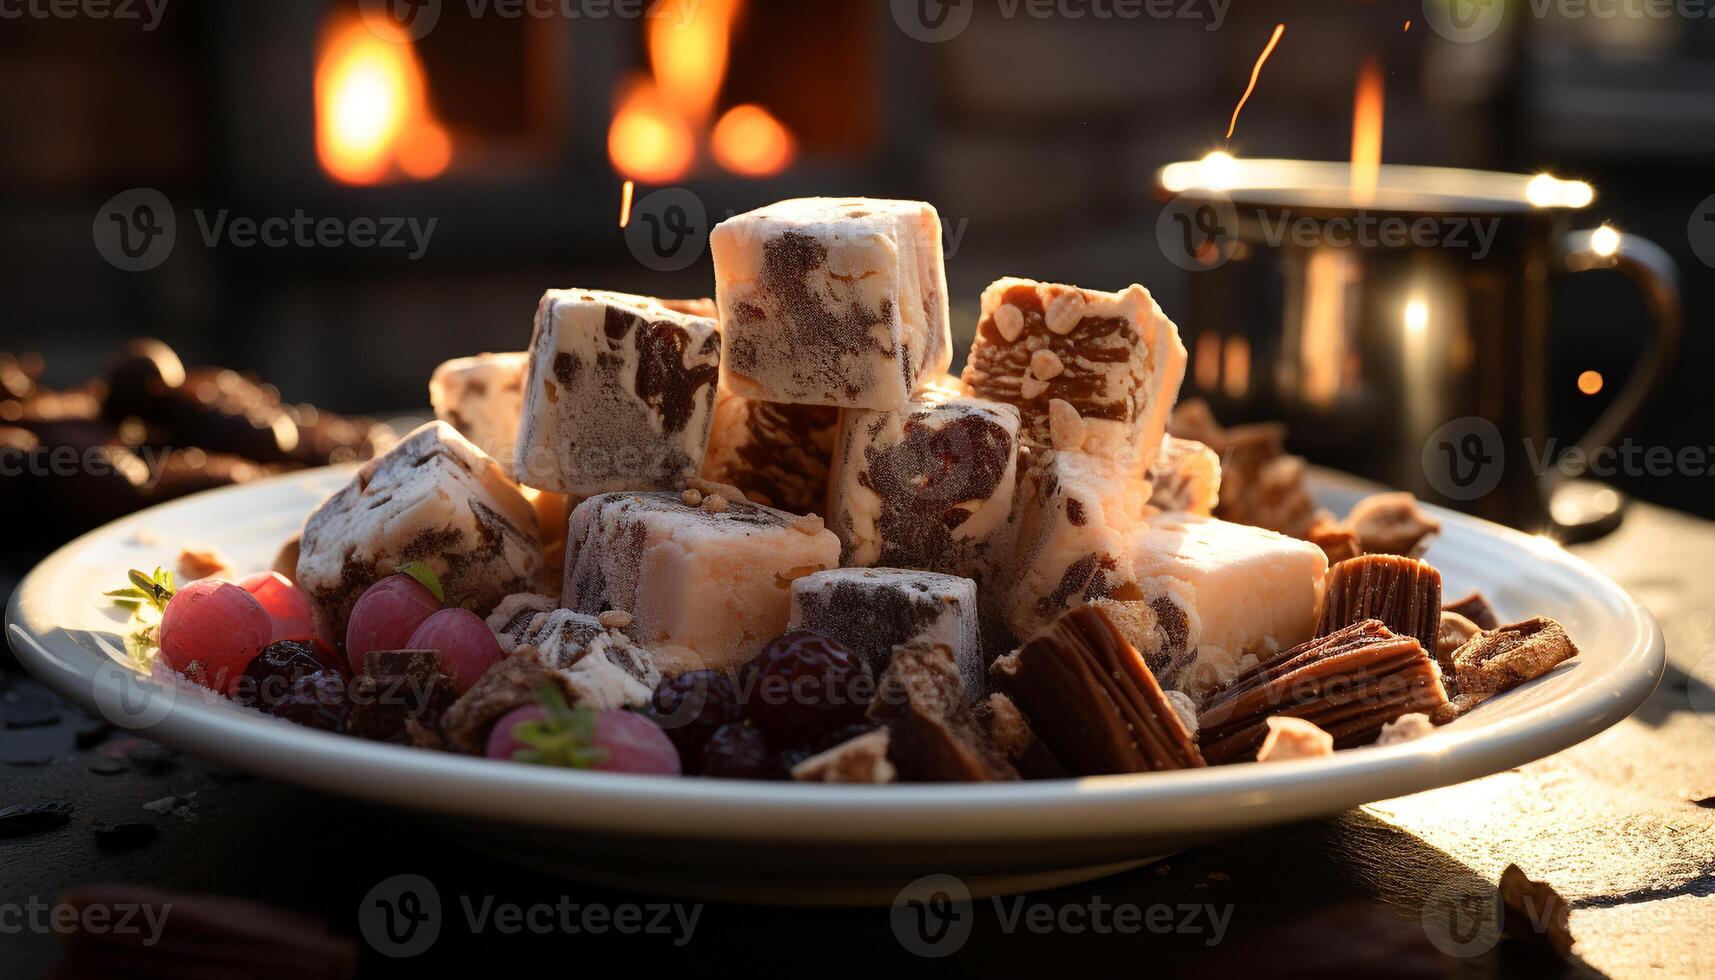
(780, 842)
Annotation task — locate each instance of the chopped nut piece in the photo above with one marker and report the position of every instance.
(714, 503)
(1007, 728)
(1475, 607)
(707, 487)
(934, 735)
(1093, 700)
(1404, 593)
(1032, 388)
(1293, 738)
(1009, 320)
(1335, 539)
(859, 760)
(1392, 524)
(1349, 683)
(1064, 312)
(1065, 426)
(1046, 365)
(1405, 728)
(614, 619)
(809, 524)
(692, 497)
(197, 563)
(1532, 911)
(1502, 659)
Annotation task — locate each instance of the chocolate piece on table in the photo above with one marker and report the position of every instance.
(1502, 659)
(139, 379)
(483, 398)
(713, 580)
(400, 697)
(1534, 912)
(1186, 476)
(1089, 371)
(619, 396)
(829, 301)
(928, 487)
(1392, 524)
(873, 610)
(436, 499)
(859, 760)
(224, 412)
(326, 438)
(1255, 591)
(1404, 593)
(1475, 607)
(1335, 539)
(1093, 701)
(777, 454)
(1349, 683)
(933, 734)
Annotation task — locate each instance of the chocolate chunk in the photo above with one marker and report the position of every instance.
(506, 686)
(1349, 683)
(1404, 593)
(31, 818)
(1260, 484)
(1475, 607)
(1093, 701)
(1532, 911)
(1336, 540)
(934, 737)
(401, 697)
(1392, 524)
(1502, 659)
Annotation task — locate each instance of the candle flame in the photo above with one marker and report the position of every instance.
(1367, 111)
(373, 119)
(648, 141)
(750, 142)
(625, 194)
(1256, 72)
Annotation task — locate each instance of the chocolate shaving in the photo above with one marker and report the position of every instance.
(1093, 701)
(1475, 607)
(1403, 593)
(1349, 683)
(933, 735)
(1502, 659)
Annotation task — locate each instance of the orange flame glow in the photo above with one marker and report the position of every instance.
(1256, 72)
(750, 142)
(1367, 133)
(689, 57)
(373, 119)
(648, 141)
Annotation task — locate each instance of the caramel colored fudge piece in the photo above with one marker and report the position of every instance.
(436, 499)
(1089, 371)
(1392, 524)
(873, 610)
(930, 487)
(1093, 701)
(1349, 684)
(933, 733)
(832, 301)
(1502, 659)
(712, 582)
(1186, 476)
(483, 398)
(619, 396)
(1404, 593)
(1476, 608)
(777, 454)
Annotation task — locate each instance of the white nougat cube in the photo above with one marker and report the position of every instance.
(706, 586)
(483, 398)
(1255, 591)
(832, 301)
(435, 499)
(872, 610)
(619, 396)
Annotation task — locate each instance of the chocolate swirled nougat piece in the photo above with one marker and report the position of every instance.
(435, 499)
(1186, 476)
(832, 301)
(706, 585)
(483, 397)
(933, 732)
(777, 454)
(1404, 593)
(929, 487)
(1349, 684)
(873, 610)
(1090, 371)
(619, 395)
(1093, 701)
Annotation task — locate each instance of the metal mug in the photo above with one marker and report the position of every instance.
(1400, 327)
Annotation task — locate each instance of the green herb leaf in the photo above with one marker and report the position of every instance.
(427, 576)
(564, 738)
(146, 590)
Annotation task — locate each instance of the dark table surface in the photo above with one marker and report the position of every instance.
(1622, 825)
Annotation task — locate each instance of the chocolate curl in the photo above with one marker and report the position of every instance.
(1404, 593)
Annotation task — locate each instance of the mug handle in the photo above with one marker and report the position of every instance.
(1657, 277)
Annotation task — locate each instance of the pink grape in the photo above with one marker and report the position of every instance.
(466, 644)
(385, 617)
(210, 632)
(286, 605)
(632, 742)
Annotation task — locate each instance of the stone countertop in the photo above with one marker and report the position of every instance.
(1623, 825)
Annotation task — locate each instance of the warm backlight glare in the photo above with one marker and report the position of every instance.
(1367, 111)
(1590, 382)
(372, 109)
(648, 141)
(689, 57)
(750, 142)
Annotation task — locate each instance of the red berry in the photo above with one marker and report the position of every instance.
(627, 741)
(501, 743)
(211, 631)
(466, 645)
(385, 617)
(740, 751)
(294, 618)
(803, 686)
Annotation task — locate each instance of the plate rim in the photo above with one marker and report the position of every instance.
(1218, 798)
